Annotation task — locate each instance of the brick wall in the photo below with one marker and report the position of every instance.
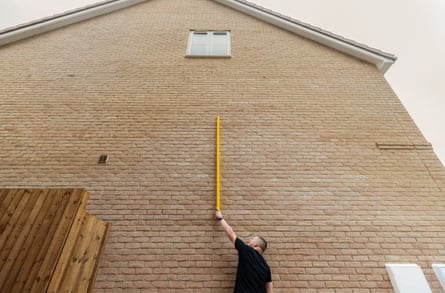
(300, 164)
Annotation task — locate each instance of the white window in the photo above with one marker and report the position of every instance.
(209, 43)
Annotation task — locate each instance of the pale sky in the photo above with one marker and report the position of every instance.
(413, 30)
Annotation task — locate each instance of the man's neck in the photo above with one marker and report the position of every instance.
(258, 249)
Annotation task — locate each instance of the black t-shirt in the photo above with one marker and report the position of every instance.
(253, 272)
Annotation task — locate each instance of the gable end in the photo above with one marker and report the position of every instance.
(381, 60)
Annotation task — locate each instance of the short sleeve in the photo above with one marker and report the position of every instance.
(269, 276)
(240, 245)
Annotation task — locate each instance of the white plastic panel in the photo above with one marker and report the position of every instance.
(407, 278)
(439, 270)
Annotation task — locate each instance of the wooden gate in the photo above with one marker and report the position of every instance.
(48, 242)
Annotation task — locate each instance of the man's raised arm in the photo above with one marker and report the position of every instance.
(226, 227)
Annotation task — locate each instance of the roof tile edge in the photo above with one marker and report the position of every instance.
(44, 25)
(380, 59)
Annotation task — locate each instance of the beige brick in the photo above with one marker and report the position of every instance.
(300, 165)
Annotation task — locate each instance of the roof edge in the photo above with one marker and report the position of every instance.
(380, 59)
(41, 26)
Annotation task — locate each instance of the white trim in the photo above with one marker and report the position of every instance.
(65, 20)
(381, 62)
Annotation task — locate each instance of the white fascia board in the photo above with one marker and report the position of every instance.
(381, 62)
(65, 20)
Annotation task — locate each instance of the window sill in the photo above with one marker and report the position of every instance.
(208, 56)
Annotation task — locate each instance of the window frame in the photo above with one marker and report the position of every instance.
(211, 50)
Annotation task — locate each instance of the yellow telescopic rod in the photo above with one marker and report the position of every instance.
(218, 182)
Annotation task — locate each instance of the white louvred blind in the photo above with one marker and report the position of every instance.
(209, 43)
(220, 44)
(199, 43)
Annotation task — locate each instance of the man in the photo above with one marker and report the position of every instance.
(253, 274)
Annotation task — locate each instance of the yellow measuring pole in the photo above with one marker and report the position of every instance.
(218, 182)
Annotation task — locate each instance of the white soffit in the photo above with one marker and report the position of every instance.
(439, 270)
(64, 19)
(382, 60)
(407, 278)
